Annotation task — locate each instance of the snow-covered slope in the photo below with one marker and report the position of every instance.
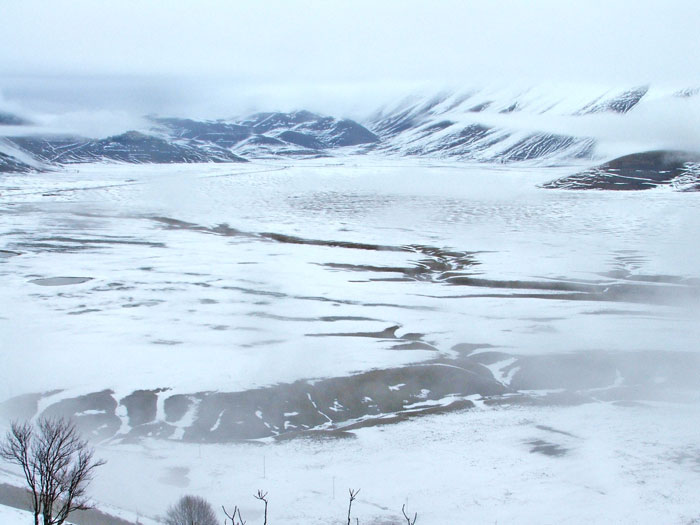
(641, 171)
(300, 134)
(273, 134)
(10, 164)
(12, 158)
(547, 124)
(497, 125)
(132, 147)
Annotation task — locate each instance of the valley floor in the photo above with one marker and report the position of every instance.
(194, 317)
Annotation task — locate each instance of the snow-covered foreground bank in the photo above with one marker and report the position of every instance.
(588, 464)
(595, 463)
(192, 302)
(12, 516)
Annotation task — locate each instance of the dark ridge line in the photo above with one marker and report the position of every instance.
(446, 265)
(228, 231)
(102, 241)
(556, 431)
(388, 333)
(325, 318)
(580, 296)
(252, 291)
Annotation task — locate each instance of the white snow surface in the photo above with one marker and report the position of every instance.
(622, 465)
(12, 516)
(190, 310)
(240, 308)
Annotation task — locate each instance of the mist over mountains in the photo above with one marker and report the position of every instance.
(544, 125)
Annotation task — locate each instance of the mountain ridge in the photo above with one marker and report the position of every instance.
(504, 125)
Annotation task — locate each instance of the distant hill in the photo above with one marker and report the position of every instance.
(273, 134)
(9, 164)
(300, 134)
(486, 125)
(132, 147)
(503, 126)
(639, 171)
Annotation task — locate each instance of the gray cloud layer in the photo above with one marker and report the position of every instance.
(361, 40)
(219, 58)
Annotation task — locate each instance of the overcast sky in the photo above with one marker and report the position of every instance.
(207, 55)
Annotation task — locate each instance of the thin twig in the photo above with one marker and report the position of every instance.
(353, 495)
(262, 497)
(408, 520)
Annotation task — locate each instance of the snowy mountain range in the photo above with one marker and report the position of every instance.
(300, 134)
(483, 125)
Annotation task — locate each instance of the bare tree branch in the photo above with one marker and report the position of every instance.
(353, 495)
(57, 465)
(408, 520)
(232, 516)
(262, 497)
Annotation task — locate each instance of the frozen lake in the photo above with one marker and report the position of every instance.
(151, 301)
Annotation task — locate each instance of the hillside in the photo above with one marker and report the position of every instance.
(639, 171)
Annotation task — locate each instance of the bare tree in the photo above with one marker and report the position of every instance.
(191, 510)
(262, 497)
(408, 520)
(57, 465)
(232, 516)
(353, 496)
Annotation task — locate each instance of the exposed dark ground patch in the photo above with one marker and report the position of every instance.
(60, 281)
(333, 407)
(141, 405)
(460, 268)
(689, 458)
(387, 333)
(106, 241)
(84, 311)
(436, 262)
(63, 244)
(333, 300)
(540, 446)
(19, 498)
(25, 404)
(554, 430)
(167, 342)
(94, 413)
(670, 295)
(325, 318)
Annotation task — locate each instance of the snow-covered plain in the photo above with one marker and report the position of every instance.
(169, 297)
(617, 465)
(12, 516)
